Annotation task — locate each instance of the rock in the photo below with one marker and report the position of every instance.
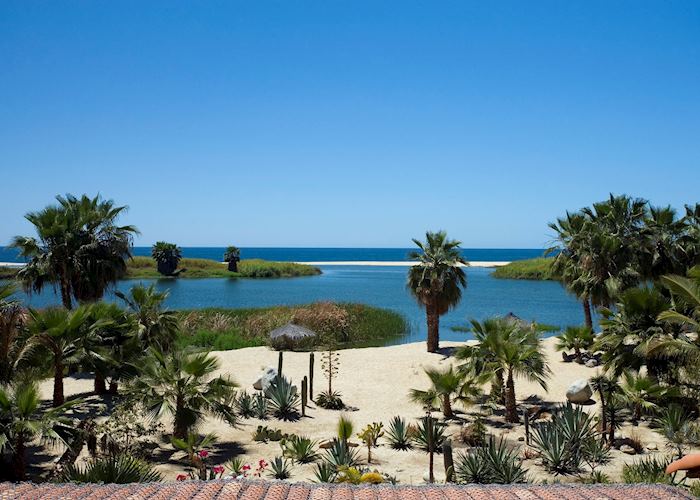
(265, 379)
(625, 448)
(521, 438)
(579, 392)
(591, 363)
(565, 357)
(652, 447)
(326, 444)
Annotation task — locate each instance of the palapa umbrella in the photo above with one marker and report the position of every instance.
(291, 332)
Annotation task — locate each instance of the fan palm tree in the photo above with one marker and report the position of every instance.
(606, 388)
(437, 279)
(155, 325)
(182, 385)
(447, 386)
(506, 349)
(63, 335)
(233, 257)
(575, 338)
(22, 420)
(114, 469)
(641, 393)
(79, 248)
(668, 245)
(167, 257)
(13, 318)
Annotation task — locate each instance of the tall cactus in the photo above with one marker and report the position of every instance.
(304, 395)
(279, 363)
(311, 376)
(449, 462)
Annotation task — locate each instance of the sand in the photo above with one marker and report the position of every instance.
(376, 381)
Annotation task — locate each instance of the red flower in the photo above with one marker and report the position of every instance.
(262, 463)
(246, 467)
(181, 477)
(219, 469)
(203, 454)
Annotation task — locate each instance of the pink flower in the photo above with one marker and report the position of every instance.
(203, 453)
(262, 463)
(219, 469)
(181, 477)
(246, 467)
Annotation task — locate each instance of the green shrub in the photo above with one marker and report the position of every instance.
(528, 269)
(398, 434)
(647, 470)
(300, 449)
(283, 398)
(324, 472)
(280, 468)
(245, 404)
(339, 455)
(421, 437)
(265, 434)
(330, 400)
(117, 469)
(261, 409)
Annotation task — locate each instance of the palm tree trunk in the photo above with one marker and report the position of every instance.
(603, 414)
(433, 326)
(113, 387)
(447, 406)
(19, 460)
(65, 296)
(180, 427)
(511, 406)
(497, 388)
(100, 385)
(587, 312)
(58, 397)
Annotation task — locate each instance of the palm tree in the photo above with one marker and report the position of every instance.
(446, 386)
(79, 248)
(511, 349)
(167, 257)
(182, 385)
(63, 335)
(575, 338)
(22, 420)
(437, 279)
(641, 393)
(232, 256)
(13, 318)
(156, 325)
(668, 246)
(606, 388)
(113, 469)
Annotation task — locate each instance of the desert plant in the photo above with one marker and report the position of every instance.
(330, 364)
(493, 463)
(647, 470)
(127, 432)
(430, 434)
(261, 408)
(195, 447)
(344, 428)
(283, 398)
(311, 376)
(595, 477)
(235, 465)
(398, 435)
(157, 326)
(474, 434)
(245, 405)
(183, 385)
(304, 395)
(300, 449)
(167, 257)
(575, 338)
(117, 469)
(437, 279)
(641, 394)
(264, 434)
(678, 428)
(330, 400)
(340, 454)
(324, 472)
(280, 468)
(370, 436)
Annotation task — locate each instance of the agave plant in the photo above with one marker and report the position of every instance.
(280, 468)
(493, 463)
(398, 434)
(300, 449)
(330, 400)
(117, 469)
(647, 470)
(261, 408)
(324, 472)
(423, 435)
(340, 454)
(678, 428)
(283, 398)
(245, 404)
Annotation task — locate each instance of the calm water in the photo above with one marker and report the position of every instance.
(485, 296)
(324, 254)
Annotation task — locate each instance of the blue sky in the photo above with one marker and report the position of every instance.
(347, 123)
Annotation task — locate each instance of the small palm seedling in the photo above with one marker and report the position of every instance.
(300, 449)
(641, 394)
(330, 400)
(195, 449)
(245, 404)
(424, 435)
(344, 429)
(280, 468)
(447, 386)
(575, 338)
(370, 436)
(116, 469)
(284, 398)
(398, 434)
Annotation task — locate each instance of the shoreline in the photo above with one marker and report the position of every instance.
(396, 263)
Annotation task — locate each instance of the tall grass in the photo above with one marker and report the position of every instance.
(528, 269)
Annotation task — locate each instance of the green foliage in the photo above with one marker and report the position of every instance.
(678, 428)
(398, 434)
(539, 268)
(283, 398)
(264, 434)
(261, 409)
(430, 431)
(117, 469)
(167, 256)
(324, 472)
(330, 400)
(647, 470)
(493, 463)
(127, 432)
(245, 405)
(641, 393)
(157, 326)
(447, 386)
(340, 454)
(595, 477)
(300, 449)
(565, 442)
(344, 428)
(146, 267)
(280, 468)
(370, 436)
(575, 338)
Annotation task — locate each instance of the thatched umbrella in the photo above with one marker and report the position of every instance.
(290, 333)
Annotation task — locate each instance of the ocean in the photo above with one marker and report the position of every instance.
(381, 286)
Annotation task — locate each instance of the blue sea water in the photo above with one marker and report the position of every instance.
(382, 286)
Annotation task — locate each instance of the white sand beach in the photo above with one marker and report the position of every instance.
(376, 381)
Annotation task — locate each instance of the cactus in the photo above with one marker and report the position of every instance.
(279, 363)
(449, 462)
(311, 376)
(304, 395)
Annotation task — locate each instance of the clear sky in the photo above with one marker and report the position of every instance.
(353, 123)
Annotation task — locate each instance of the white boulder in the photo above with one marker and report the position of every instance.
(265, 379)
(579, 392)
